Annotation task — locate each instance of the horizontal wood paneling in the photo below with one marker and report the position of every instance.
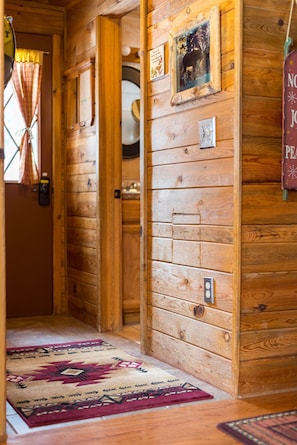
(82, 258)
(214, 339)
(188, 309)
(275, 320)
(81, 182)
(195, 232)
(82, 276)
(190, 205)
(268, 298)
(81, 204)
(214, 173)
(82, 149)
(185, 180)
(215, 205)
(261, 168)
(82, 237)
(82, 310)
(265, 27)
(190, 153)
(186, 283)
(264, 204)
(83, 291)
(269, 257)
(262, 116)
(200, 363)
(182, 128)
(81, 222)
(270, 375)
(268, 343)
(193, 253)
(269, 291)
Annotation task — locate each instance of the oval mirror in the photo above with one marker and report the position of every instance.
(130, 112)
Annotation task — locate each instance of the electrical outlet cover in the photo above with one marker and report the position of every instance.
(209, 290)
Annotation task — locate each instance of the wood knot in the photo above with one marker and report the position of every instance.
(180, 178)
(199, 311)
(182, 334)
(280, 22)
(227, 336)
(262, 307)
(186, 281)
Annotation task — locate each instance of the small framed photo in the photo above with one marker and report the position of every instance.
(195, 54)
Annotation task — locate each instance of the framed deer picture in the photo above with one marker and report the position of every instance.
(195, 54)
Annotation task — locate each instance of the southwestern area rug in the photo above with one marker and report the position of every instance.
(80, 380)
(270, 429)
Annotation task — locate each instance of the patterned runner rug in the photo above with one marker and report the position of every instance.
(271, 429)
(80, 380)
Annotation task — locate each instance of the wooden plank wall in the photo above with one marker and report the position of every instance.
(83, 224)
(81, 182)
(269, 245)
(191, 205)
(190, 213)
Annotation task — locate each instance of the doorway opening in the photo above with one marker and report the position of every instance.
(29, 258)
(131, 167)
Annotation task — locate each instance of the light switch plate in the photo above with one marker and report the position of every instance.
(207, 132)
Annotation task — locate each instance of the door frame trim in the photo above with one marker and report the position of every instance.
(109, 173)
(60, 300)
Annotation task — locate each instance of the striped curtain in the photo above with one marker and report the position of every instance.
(26, 81)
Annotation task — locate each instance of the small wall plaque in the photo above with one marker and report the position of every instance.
(157, 62)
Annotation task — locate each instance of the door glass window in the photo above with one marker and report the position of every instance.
(14, 127)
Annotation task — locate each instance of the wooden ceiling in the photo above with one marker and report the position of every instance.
(62, 3)
(69, 3)
(106, 7)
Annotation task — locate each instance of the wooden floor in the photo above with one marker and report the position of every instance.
(188, 424)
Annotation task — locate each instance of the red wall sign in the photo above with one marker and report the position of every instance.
(289, 158)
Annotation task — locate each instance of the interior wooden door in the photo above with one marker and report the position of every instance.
(109, 209)
(28, 225)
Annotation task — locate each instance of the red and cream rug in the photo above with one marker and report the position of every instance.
(270, 429)
(80, 380)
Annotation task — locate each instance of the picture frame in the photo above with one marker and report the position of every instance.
(80, 86)
(195, 54)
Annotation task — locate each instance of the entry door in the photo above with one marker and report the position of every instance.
(29, 225)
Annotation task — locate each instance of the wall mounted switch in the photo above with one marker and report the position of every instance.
(207, 132)
(209, 290)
